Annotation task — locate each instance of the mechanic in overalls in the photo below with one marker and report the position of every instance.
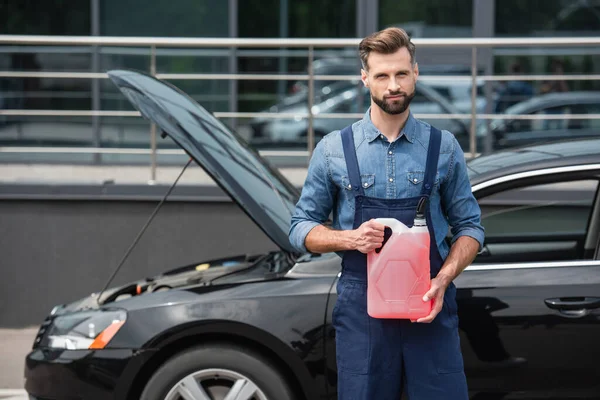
(381, 166)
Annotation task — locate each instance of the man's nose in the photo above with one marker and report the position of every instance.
(393, 86)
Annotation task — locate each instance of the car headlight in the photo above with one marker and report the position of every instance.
(85, 330)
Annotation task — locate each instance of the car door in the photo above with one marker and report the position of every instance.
(529, 306)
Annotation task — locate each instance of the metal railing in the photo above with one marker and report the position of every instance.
(311, 45)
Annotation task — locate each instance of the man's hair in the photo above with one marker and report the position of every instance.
(386, 41)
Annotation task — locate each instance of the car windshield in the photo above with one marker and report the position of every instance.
(274, 263)
(516, 157)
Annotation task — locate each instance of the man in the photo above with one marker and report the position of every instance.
(515, 91)
(381, 166)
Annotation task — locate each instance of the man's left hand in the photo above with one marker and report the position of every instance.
(436, 292)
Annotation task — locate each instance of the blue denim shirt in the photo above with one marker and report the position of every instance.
(388, 170)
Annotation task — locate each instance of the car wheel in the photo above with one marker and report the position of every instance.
(217, 373)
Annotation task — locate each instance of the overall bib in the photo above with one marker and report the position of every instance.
(377, 357)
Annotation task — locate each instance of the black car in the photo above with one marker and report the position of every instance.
(259, 327)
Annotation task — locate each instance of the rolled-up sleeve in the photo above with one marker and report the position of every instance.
(316, 200)
(462, 209)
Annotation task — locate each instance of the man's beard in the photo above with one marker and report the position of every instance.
(397, 106)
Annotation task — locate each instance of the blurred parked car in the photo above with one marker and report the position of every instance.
(458, 93)
(508, 133)
(325, 66)
(529, 306)
(293, 131)
(350, 66)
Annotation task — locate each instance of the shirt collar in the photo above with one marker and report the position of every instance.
(372, 133)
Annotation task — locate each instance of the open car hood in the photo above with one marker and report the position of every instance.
(260, 190)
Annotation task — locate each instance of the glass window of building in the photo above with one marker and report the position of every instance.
(547, 18)
(428, 18)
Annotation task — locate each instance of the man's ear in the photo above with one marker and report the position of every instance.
(416, 69)
(364, 77)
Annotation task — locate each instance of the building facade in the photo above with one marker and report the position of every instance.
(267, 19)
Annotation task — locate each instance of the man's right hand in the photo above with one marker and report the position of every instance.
(368, 236)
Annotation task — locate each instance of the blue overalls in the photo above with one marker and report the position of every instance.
(372, 353)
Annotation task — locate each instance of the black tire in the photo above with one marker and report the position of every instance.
(258, 370)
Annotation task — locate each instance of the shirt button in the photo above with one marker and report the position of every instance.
(382, 136)
(349, 186)
(366, 184)
(391, 179)
(390, 153)
(415, 180)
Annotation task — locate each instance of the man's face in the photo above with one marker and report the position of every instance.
(391, 78)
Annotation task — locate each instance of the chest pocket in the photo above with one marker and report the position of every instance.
(368, 184)
(414, 183)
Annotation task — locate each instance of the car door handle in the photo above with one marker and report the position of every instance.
(573, 303)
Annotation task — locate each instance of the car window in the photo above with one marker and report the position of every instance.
(525, 125)
(519, 125)
(560, 123)
(553, 214)
(590, 109)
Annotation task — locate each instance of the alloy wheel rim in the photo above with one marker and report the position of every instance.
(215, 384)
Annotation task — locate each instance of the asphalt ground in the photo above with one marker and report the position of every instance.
(14, 346)
(12, 394)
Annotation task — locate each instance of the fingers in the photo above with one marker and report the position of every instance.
(370, 246)
(434, 289)
(370, 236)
(374, 225)
(428, 319)
(367, 230)
(434, 312)
(430, 294)
(373, 228)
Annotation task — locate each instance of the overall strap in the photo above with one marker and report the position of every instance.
(433, 153)
(351, 160)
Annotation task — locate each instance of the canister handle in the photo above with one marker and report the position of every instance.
(395, 225)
